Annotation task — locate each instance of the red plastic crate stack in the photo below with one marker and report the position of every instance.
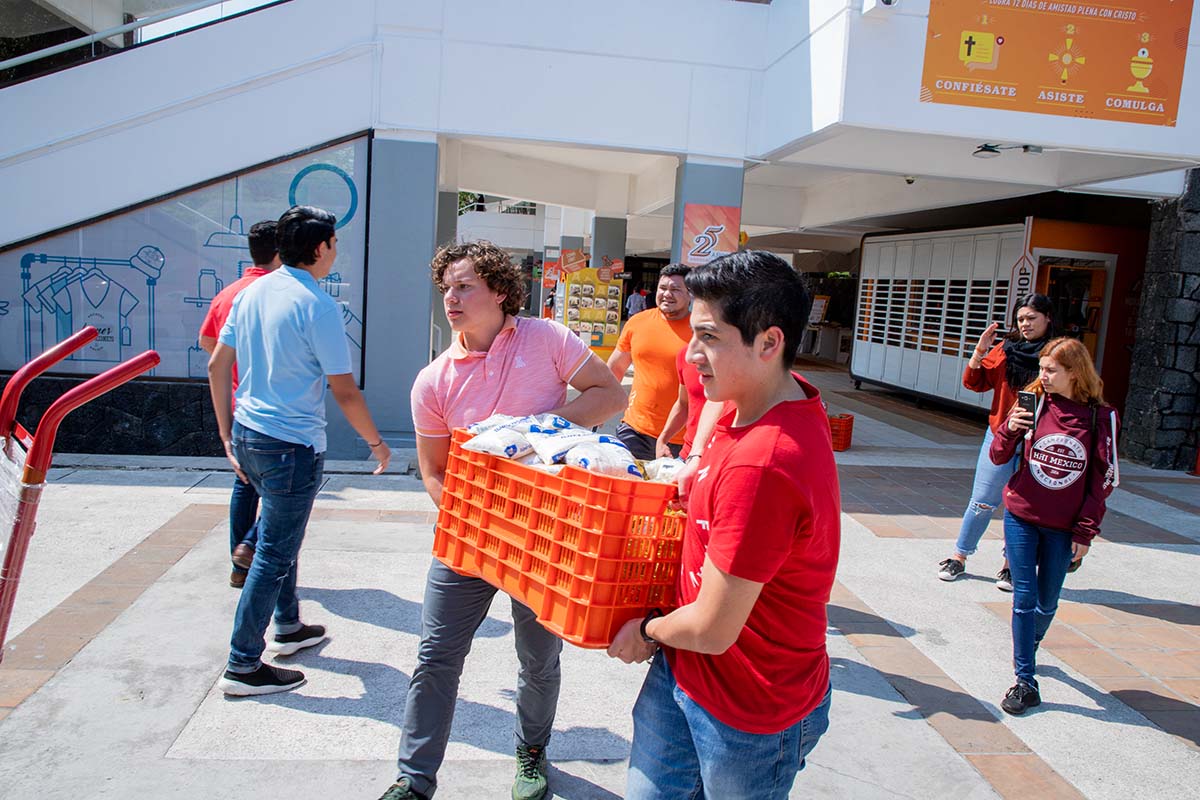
(585, 552)
(841, 427)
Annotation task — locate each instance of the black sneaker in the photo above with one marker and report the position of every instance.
(1021, 697)
(951, 568)
(530, 783)
(266, 679)
(1004, 580)
(401, 790)
(285, 644)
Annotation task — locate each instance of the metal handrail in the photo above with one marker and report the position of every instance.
(37, 460)
(63, 47)
(41, 450)
(21, 378)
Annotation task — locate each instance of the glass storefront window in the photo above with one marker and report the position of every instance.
(145, 278)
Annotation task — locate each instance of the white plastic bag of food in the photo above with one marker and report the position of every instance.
(555, 421)
(552, 444)
(605, 458)
(503, 442)
(662, 470)
(492, 423)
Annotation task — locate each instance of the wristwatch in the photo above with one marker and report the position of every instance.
(654, 613)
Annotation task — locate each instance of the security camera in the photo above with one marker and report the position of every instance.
(878, 8)
(910, 179)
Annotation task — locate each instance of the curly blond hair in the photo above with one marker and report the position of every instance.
(491, 263)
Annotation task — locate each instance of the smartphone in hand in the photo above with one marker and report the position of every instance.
(1027, 401)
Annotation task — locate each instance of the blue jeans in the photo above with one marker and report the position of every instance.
(986, 494)
(1038, 558)
(243, 516)
(681, 751)
(453, 609)
(286, 476)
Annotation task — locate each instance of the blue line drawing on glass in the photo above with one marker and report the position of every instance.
(242, 267)
(197, 362)
(332, 284)
(81, 291)
(341, 173)
(235, 237)
(3, 308)
(353, 326)
(207, 286)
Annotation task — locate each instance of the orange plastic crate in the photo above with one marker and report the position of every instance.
(585, 552)
(841, 426)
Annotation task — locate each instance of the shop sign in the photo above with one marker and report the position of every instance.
(572, 261)
(608, 266)
(1024, 273)
(1091, 60)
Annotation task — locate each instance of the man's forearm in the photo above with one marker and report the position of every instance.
(433, 485)
(354, 408)
(684, 629)
(220, 386)
(675, 421)
(593, 406)
(706, 424)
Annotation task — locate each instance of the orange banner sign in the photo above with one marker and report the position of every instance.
(1094, 60)
(708, 232)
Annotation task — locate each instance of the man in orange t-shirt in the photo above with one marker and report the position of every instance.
(650, 341)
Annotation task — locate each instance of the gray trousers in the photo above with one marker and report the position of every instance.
(453, 610)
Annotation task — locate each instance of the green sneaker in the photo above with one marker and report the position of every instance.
(401, 790)
(530, 783)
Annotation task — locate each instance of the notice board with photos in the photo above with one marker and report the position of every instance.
(592, 300)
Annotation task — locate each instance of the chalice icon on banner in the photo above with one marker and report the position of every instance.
(1141, 66)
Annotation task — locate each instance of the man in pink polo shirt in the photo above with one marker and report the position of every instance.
(498, 363)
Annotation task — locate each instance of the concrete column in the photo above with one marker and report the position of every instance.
(551, 243)
(713, 183)
(608, 239)
(447, 233)
(396, 339)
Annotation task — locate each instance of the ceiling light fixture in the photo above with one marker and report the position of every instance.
(986, 150)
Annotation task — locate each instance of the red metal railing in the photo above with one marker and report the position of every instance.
(41, 447)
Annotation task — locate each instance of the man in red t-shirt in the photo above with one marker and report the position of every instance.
(243, 504)
(746, 646)
(649, 341)
(686, 411)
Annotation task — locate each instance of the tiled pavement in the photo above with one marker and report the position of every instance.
(1121, 666)
(1147, 655)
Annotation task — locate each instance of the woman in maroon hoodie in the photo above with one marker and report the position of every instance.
(1055, 502)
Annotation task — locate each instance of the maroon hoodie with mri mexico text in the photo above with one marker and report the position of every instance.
(1067, 469)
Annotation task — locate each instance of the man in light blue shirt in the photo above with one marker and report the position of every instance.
(286, 336)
